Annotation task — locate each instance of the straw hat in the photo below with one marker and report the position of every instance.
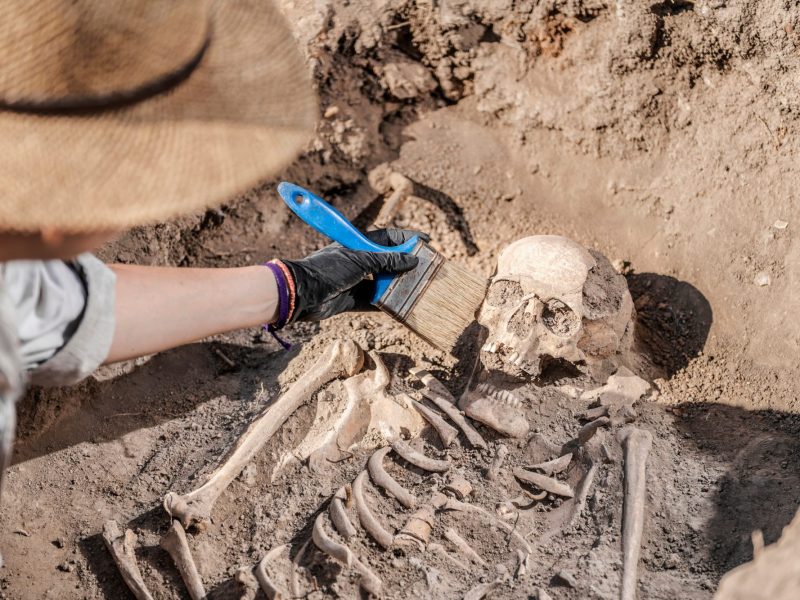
(115, 113)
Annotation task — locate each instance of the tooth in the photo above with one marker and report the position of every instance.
(513, 358)
(493, 349)
(519, 361)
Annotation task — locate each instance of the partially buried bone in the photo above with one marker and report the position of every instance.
(386, 482)
(328, 545)
(370, 582)
(444, 503)
(175, 543)
(552, 467)
(343, 357)
(619, 394)
(463, 546)
(339, 516)
(548, 484)
(439, 550)
(401, 187)
(498, 409)
(270, 589)
(446, 432)
(295, 579)
(482, 590)
(365, 516)
(587, 431)
(246, 583)
(436, 392)
(122, 547)
(418, 459)
(636, 443)
(417, 529)
(497, 462)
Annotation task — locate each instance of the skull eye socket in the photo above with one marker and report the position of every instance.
(504, 294)
(559, 318)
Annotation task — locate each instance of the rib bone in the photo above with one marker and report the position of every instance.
(418, 459)
(328, 545)
(453, 504)
(174, 542)
(636, 443)
(339, 516)
(447, 433)
(587, 431)
(370, 582)
(343, 357)
(464, 547)
(436, 392)
(545, 483)
(271, 591)
(365, 516)
(557, 465)
(122, 547)
(439, 549)
(385, 481)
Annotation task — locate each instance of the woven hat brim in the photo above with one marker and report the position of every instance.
(240, 116)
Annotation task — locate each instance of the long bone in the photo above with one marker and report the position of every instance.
(343, 357)
(174, 542)
(339, 516)
(365, 516)
(385, 481)
(271, 591)
(636, 443)
(123, 549)
(418, 459)
(446, 432)
(328, 545)
(436, 392)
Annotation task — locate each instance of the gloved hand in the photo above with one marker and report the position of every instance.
(334, 279)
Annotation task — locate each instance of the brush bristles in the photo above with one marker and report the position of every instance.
(448, 306)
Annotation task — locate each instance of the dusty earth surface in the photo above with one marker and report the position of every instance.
(663, 134)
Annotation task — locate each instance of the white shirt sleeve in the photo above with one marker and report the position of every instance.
(49, 298)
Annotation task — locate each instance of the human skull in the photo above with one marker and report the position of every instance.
(553, 299)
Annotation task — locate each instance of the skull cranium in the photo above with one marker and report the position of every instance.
(553, 299)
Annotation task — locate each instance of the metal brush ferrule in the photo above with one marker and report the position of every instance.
(406, 288)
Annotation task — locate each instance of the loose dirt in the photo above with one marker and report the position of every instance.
(664, 135)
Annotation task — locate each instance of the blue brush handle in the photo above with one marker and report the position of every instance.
(331, 223)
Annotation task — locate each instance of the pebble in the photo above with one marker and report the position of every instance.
(779, 224)
(566, 578)
(762, 279)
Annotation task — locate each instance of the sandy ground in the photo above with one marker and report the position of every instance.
(662, 134)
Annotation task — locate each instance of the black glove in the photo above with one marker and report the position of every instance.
(333, 280)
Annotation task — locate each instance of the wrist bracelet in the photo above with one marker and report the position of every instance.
(285, 302)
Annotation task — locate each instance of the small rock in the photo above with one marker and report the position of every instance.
(542, 595)
(779, 224)
(331, 112)
(763, 279)
(672, 561)
(59, 542)
(565, 578)
(66, 567)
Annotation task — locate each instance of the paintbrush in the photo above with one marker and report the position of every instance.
(437, 300)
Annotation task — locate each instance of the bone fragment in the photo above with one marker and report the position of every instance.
(365, 516)
(439, 549)
(385, 481)
(552, 467)
(587, 431)
(595, 413)
(497, 462)
(463, 547)
(370, 582)
(339, 516)
(436, 392)
(328, 545)
(458, 486)
(246, 583)
(272, 591)
(636, 443)
(343, 357)
(401, 187)
(545, 483)
(418, 527)
(418, 459)
(482, 590)
(446, 432)
(174, 542)
(522, 564)
(295, 579)
(123, 549)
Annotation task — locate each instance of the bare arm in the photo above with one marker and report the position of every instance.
(162, 307)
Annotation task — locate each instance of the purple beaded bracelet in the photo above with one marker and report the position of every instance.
(283, 305)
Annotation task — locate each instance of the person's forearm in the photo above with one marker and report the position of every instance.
(162, 307)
